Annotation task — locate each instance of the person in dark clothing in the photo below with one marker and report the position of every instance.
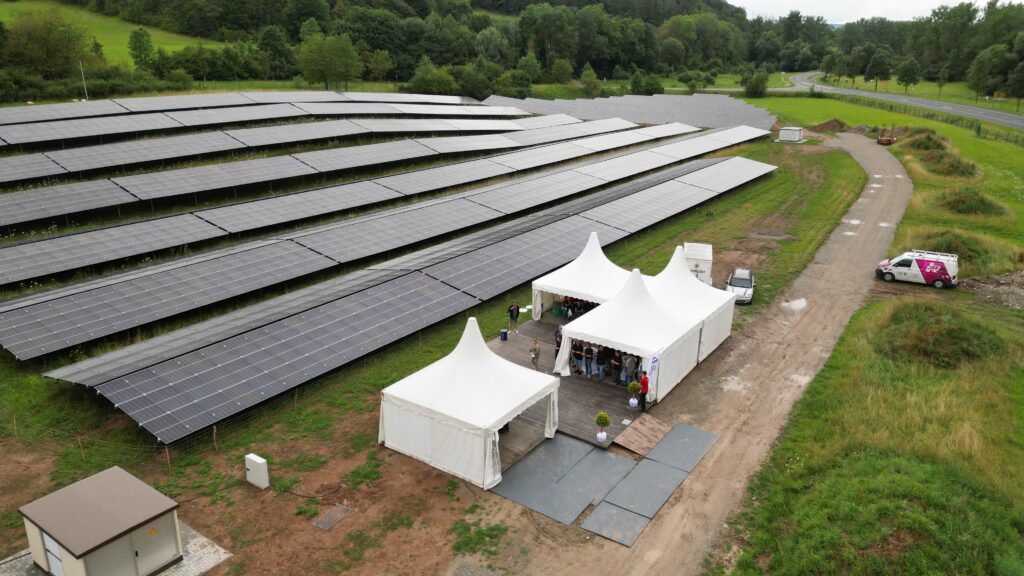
(616, 366)
(577, 356)
(601, 359)
(645, 387)
(558, 338)
(588, 360)
(513, 318)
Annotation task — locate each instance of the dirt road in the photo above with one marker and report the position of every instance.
(744, 394)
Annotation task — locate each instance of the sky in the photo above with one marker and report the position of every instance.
(843, 11)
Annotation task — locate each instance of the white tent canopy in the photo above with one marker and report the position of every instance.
(448, 414)
(633, 321)
(677, 287)
(591, 277)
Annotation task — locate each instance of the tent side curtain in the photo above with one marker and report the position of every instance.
(717, 327)
(454, 450)
(674, 363)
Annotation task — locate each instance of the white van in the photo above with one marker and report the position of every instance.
(935, 268)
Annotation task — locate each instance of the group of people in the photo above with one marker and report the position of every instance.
(574, 307)
(592, 360)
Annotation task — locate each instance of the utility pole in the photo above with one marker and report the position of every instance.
(84, 87)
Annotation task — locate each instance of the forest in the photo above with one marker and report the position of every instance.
(503, 46)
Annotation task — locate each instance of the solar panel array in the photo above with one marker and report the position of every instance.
(50, 112)
(142, 151)
(213, 177)
(704, 110)
(251, 215)
(85, 128)
(211, 116)
(53, 201)
(158, 103)
(193, 386)
(27, 167)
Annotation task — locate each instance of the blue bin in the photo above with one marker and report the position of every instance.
(504, 335)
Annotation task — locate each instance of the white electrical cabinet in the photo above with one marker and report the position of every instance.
(699, 258)
(256, 471)
(791, 134)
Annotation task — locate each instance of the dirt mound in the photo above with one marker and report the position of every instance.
(1004, 290)
(833, 125)
(970, 200)
(939, 335)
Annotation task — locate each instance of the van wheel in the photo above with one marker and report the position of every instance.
(888, 277)
(939, 284)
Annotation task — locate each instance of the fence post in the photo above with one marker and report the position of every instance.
(167, 454)
(81, 449)
(215, 447)
(14, 419)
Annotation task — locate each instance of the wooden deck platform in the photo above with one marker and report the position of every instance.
(579, 398)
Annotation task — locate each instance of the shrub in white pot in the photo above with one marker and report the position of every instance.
(602, 420)
(633, 388)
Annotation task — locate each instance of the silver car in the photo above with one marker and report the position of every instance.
(741, 283)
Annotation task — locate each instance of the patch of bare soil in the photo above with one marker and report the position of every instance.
(833, 125)
(1005, 290)
(24, 476)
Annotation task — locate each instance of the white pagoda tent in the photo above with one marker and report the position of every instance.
(448, 414)
(591, 277)
(678, 288)
(633, 321)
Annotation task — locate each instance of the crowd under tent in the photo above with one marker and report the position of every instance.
(448, 414)
(677, 286)
(634, 322)
(591, 277)
(109, 524)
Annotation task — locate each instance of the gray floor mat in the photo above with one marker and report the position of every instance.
(597, 473)
(646, 488)
(682, 447)
(615, 523)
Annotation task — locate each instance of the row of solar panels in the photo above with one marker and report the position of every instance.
(66, 199)
(64, 111)
(200, 375)
(704, 110)
(63, 253)
(57, 319)
(33, 166)
(135, 124)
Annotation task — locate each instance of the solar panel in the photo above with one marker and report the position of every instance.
(346, 108)
(609, 141)
(541, 156)
(294, 96)
(27, 167)
(728, 174)
(498, 268)
(685, 149)
(640, 210)
(421, 181)
(446, 99)
(124, 361)
(146, 150)
(536, 191)
(396, 228)
(52, 325)
(406, 125)
(443, 110)
(409, 98)
(157, 103)
(85, 128)
(231, 115)
(370, 154)
(39, 203)
(566, 131)
(303, 132)
(478, 125)
(625, 166)
(291, 207)
(35, 259)
(456, 144)
(734, 135)
(213, 177)
(666, 130)
(176, 398)
(546, 121)
(63, 111)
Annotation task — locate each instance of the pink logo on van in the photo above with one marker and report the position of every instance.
(933, 270)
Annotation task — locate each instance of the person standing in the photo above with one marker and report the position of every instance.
(629, 368)
(602, 359)
(577, 356)
(588, 360)
(645, 387)
(535, 353)
(513, 318)
(616, 366)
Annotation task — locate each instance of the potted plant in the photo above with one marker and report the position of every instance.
(633, 388)
(602, 420)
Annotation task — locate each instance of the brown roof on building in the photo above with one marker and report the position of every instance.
(97, 510)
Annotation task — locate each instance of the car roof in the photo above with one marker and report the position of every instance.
(741, 273)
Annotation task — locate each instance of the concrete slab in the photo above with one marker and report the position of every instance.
(199, 556)
(616, 524)
(560, 503)
(327, 521)
(645, 489)
(597, 473)
(682, 447)
(552, 459)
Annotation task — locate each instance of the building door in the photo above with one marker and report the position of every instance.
(155, 544)
(53, 555)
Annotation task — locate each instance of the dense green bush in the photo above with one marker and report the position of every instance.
(938, 335)
(970, 200)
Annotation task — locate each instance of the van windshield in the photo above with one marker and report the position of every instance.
(740, 282)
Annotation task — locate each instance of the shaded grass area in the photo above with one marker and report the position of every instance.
(893, 463)
(992, 243)
(113, 33)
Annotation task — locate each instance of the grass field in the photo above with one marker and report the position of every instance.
(894, 464)
(957, 92)
(111, 32)
(989, 244)
(809, 193)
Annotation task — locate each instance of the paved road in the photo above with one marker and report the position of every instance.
(744, 393)
(804, 80)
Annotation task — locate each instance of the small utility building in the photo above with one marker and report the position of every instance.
(448, 414)
(109, 524)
